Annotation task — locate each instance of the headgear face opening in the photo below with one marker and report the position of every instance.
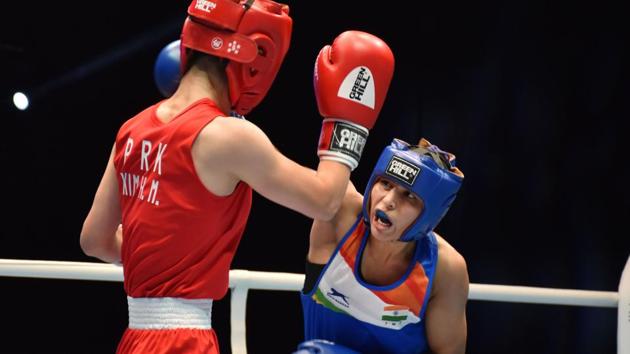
(253, 34)
(428, 172)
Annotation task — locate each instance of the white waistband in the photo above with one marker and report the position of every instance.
(169, 312)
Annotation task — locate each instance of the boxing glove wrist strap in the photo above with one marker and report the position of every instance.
(342, 141)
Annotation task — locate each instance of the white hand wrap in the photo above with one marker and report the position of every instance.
(342, 141)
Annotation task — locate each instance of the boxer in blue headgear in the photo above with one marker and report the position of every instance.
(426, 171)
(374, 281)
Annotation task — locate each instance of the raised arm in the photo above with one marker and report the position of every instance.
(326, 234)
(250, 156)
(351, 80)
(446, 312)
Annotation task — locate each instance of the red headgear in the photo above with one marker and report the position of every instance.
(253, 34)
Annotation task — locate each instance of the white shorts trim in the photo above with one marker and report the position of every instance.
(169, 313)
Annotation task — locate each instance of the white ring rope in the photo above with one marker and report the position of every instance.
(293, 282)
(243, 280)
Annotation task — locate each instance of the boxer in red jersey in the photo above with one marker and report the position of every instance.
(181, 172)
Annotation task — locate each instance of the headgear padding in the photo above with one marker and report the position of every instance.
(253, 34)
(428, 172)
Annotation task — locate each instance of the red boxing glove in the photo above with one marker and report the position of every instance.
(351, 79)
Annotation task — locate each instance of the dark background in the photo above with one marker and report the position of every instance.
(530, 95)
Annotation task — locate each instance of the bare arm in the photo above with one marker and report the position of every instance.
(101, 236)
(326, 234)
(446, 312)
(241, 149)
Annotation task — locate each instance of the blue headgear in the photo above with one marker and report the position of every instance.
(166, 69)
(428, 172)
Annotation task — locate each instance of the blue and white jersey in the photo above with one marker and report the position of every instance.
(343, 308)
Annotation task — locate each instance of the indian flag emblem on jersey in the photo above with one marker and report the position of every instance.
(397, 316)
(340, 291)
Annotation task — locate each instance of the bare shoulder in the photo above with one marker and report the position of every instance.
(227, 138)
(230, 130)
(449, 256)
(452, 266)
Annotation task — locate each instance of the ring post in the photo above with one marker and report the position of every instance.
(623, 312)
